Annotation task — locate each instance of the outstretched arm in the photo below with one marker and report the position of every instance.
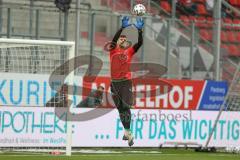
(125, 23)
(140, 41)
(117, 35)
(139, 25)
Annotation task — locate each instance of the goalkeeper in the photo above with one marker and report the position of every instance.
(121, 85)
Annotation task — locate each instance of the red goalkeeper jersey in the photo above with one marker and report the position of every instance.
(120, 61)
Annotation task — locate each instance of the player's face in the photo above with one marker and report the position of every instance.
(122, 42)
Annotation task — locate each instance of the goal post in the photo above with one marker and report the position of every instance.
(37, 57)
(44, 54)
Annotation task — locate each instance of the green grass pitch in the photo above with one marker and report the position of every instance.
(125, 154)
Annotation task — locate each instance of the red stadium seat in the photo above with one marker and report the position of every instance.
(231, 36)
(234, 2)
(238, 36)
(185, 20)
(238, 3)
(225, 49)
(166, 6)
(210, 19)
(206, 34)
(209, 22)
(228, 21)
(237, 22)
(224, 46)
(199, 1)
(238, 53)
(192, 18)
(233, 50)
(235, 14)
(201, 9)
(201, 22)
(184, 2)
(224, 36)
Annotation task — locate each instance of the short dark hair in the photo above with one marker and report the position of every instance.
(100, 87)
(123, 36)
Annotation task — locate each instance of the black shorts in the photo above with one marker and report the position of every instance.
(122, 93)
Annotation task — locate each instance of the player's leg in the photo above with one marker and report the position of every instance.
(122, 97)
(115, 90)
(127, 102)
(125, 116)
(126, 121)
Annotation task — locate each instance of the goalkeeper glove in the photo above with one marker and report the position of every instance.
(125, 22)
(139, 24)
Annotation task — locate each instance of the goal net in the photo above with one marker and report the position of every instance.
(230, 104)
(33, 56)
(25, 68)
(233, 99)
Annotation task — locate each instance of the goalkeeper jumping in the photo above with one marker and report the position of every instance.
(121, 85)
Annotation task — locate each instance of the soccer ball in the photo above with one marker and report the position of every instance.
(139, 9)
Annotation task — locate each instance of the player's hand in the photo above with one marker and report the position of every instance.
(125, 22)
(139, 24)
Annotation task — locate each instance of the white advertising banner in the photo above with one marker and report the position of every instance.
(34, 126)
(30, 89)
(34, 90)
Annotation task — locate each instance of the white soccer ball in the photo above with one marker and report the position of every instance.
(139, 9)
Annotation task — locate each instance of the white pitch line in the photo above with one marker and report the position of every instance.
(95, 155)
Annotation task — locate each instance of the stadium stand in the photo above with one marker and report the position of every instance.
(230, 33)
(203, 19)
(104, 31)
